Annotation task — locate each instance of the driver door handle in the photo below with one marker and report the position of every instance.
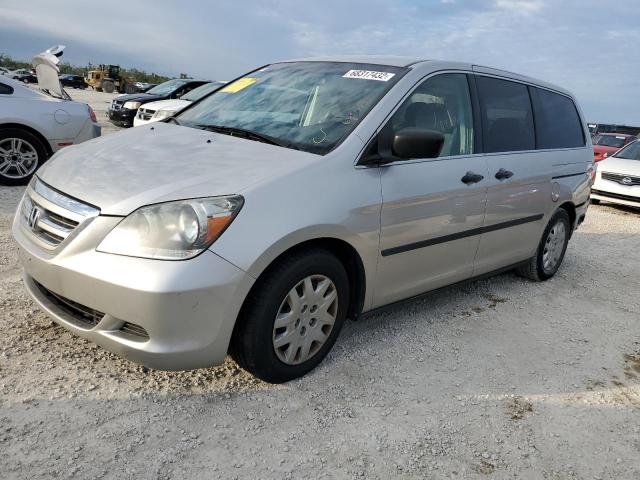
(471, 177)
(503, 174)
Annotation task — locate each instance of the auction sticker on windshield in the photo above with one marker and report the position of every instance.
(239, 85)
(369, 75)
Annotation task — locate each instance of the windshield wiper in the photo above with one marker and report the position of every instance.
(247, 134)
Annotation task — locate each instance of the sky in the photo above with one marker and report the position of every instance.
(590, 47)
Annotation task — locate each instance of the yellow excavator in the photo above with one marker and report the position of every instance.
(107, 78)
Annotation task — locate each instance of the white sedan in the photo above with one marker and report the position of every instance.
(618, 177)
(34, 124)
(156, 111)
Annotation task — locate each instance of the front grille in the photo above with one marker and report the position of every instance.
(134, 330)
(619, 196)
(116, 104)
(618, 178)
(85, 316)
(50, 216)
(145, 114)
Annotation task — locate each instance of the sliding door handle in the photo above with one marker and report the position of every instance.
(471, 177)
(503, 174)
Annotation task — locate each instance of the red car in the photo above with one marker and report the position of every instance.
(606, 144)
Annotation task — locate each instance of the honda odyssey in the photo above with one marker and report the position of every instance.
(306, 192)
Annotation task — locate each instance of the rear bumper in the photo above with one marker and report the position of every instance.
(89, 131)
(187, 308)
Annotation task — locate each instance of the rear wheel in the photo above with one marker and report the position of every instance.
(108, 86)
(21, 153)
(292, 317)
(553, 245)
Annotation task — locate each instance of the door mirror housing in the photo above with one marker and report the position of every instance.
(417, 143)
(388, 147)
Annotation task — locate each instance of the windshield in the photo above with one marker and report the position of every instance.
(309, 106)
(631, 152)
(609, 141)
(197, 93)
(167, 87)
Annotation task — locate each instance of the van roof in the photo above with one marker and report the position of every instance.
(406, 61)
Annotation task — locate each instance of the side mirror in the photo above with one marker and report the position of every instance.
(417, 143)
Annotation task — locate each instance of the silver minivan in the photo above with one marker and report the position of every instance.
(301, 194)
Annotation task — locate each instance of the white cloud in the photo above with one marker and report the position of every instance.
(525, 7)
(561, 42)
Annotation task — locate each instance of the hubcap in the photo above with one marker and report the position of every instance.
(553, 246)
(18, 158)
(305, 319)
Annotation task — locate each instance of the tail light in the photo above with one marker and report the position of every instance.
(92, 115)
(591, 173)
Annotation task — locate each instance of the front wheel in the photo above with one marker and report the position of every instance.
(292, 317)
(553, 245)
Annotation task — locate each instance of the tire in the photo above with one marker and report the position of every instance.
(552, 246)
(277, 354)
(108, 86)
(594, 201)
(25, 154)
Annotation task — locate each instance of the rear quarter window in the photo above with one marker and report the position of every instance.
(5, 89)
(557, 121)
(507, 119)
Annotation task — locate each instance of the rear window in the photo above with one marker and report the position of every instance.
(557, 122)
(616, 141)
(507, 120)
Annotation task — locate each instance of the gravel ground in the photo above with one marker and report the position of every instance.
(501, 378)
(99, 101)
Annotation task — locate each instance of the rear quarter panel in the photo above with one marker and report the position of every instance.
(54, 120)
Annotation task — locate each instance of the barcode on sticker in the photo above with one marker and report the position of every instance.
(369, 75)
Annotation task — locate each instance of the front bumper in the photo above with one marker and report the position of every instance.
(615, 197)
(188, 308)
(122, 117)
(137, 121)
(612, 191)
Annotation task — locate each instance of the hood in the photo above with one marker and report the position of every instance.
(46, 65)
(139, 97)
(121, 172)
(170, 105)
(622, 166)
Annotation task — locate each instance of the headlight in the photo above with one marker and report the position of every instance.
(131, 105)
(173, 230)
(160, 114)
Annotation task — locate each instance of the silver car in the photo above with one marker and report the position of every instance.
(34, 124)
(304, 193)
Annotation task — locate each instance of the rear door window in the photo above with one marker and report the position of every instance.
(557, 122)
(507, 119)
